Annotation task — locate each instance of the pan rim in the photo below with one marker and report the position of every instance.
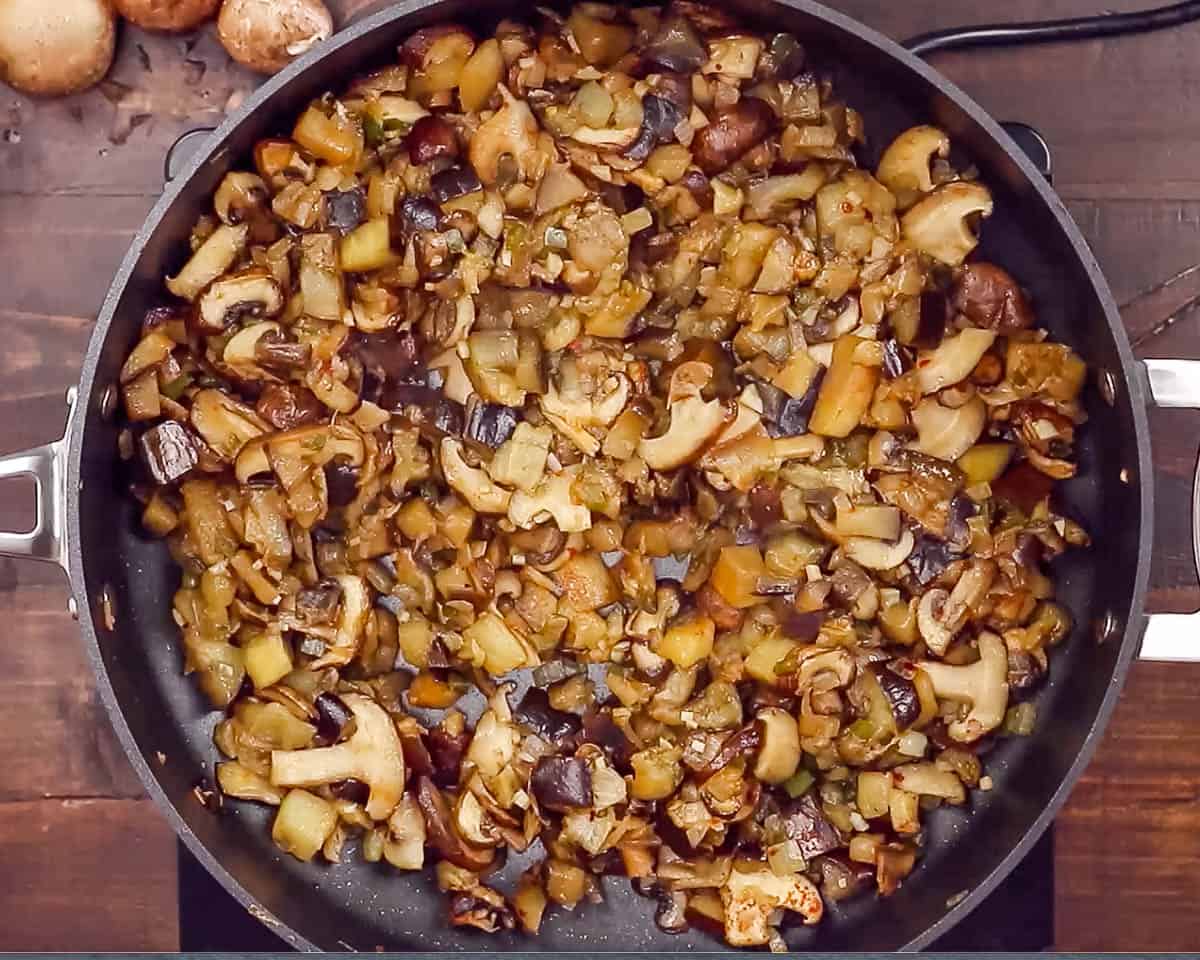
(1135, 394)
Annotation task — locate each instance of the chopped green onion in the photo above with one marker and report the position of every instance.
(174, 389)
(798, 783)
(372, 131)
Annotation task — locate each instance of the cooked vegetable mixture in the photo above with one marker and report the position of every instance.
(582, 366)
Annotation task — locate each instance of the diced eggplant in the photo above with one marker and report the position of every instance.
(556, 726)
(805, 823)
(169, 451)
(491, 423)
(660, 117)
(319, 604)
(344, 209)
(446, 752)
(788, 416)
(562, 784)
(453, 182)
(901, 694)
(332, 717)
(341, 479)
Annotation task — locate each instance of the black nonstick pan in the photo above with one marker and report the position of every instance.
(122, 583)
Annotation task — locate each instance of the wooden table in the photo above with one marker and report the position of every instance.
(87, 862)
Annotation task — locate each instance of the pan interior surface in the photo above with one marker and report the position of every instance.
(165, 722)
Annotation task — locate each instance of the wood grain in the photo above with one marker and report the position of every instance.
(90, 865)
(87, 874)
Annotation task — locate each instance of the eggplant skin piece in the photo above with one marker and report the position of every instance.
(169, 451)
(562, 784)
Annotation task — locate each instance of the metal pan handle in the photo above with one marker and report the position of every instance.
(1175, 384)
(47, 465)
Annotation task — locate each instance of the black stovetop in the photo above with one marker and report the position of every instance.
(1018, 917)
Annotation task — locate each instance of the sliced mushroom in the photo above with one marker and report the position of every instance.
(694, 421)
(226, 424)
(982, 685)
(941, 615)
(930, 780)
(819, 670)
(879, 554)
(512, 131)
(754, 892)
(216, 255)
(496, 737)
(904, 167)
(477, 488)
(573, 413)
(938, 225)
(240, 194)
(253, 293)
(552, 498)
(372, 755)
(779, 755)
(953, 360)
(240, 355)
(405, 845)
(352, 622)
(934, 631)
(948, 432)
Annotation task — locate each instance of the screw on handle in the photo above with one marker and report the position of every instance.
(182, 150)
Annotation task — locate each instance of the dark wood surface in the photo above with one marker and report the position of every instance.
(88, 864)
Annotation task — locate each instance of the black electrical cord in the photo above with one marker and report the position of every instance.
(1055, 31)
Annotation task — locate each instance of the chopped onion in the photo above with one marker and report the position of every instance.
(913, 744)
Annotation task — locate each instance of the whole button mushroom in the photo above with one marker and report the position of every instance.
(168, 15)
(267, 35)
(52, 49)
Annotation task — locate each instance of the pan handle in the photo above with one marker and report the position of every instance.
(1055, 31)
(47, 465)
(1175, 384)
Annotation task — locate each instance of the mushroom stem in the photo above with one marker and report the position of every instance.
(373, 755)
(983, 685)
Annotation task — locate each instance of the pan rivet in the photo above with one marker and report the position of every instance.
(1124, 474)
(1108, 387)
(108, 608)
(108, 401)
(72, 608)
(1106, 627)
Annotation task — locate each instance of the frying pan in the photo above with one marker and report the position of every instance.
(122, 583)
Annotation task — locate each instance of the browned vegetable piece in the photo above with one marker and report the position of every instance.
(169, 451)
(805, 823)
(452, 183)
(601, 42)
(562, 783)
(555, 726)
(893, 862)
(846, 389)
(288, 405)
(435, 57)
(676, 46)
(441, 833)
(989, 297)
(1023, 485)
(431, 137)
(731, 132)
